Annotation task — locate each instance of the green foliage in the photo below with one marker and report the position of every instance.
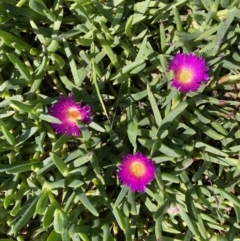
(113, 55)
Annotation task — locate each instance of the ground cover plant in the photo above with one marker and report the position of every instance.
(119, 120)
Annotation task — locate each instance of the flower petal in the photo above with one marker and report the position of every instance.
(189, 71)
(68, 112)
(136, 171)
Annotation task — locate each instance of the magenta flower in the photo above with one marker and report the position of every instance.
(136, 171)
(189, 71)
(68, 112)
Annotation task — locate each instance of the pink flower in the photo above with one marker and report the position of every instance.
(68, 112)
(136, 171)
(189, 71)
(173, 209)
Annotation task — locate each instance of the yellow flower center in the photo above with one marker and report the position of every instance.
(73, 114)
(184, 75)
(137, 169)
